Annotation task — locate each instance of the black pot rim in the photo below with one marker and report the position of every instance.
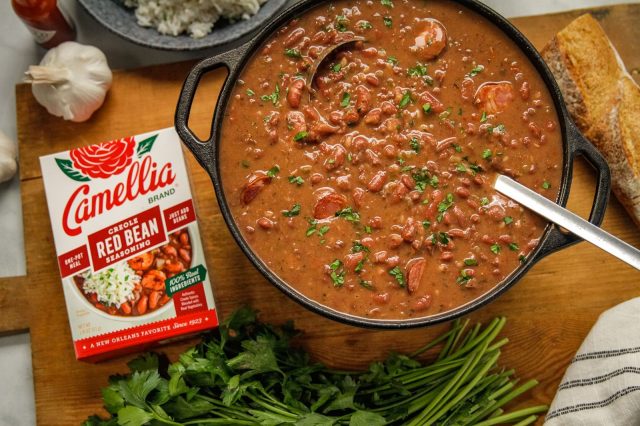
(550, 241)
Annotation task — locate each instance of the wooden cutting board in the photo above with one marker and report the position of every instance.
(550, 311)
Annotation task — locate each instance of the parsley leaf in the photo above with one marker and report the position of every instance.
(443, 206)
(388, 22)
(476, 70)
(293, 53)
(470, 261)
(337, 67)
(546, 185)
(296, 180)
(387, 3)
(295, 211)
(250, 92)
(366, 25)
(513, 247)
(508, 220)
(415, 145)
(348, 214)
(337, 273)
(419, 70)
(406, 98)
(398, 275)
(274, 97)
(273, 172)
(301, 136)
(464, 277)
(495, 249)
(486, 154)
(426, 108)
(346, 100)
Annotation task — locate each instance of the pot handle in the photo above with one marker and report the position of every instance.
(204, 151)
(579, 145)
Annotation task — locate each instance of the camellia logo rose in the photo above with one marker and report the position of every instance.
(104, 160)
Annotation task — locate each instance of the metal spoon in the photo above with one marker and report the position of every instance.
(570, 221)
(327, 53)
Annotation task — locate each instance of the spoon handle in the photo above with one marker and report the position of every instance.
(568, 220)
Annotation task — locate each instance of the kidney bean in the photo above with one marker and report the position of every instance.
(457, 233)
(336, 158)
(336, 117)
(460, 216)
(170, 250)
(377, 181)
(316, 178)
(462, 192)
(395, 240)
(373, 117)
(358, 197)
(408, 181)
(381, 298)
(414, 273)
(410, 230)
(393, 261)
(363, 100)
(163, 300)
(446, 256)
(265, 223)
(422, 303)
(507, 239)
(185, 255)
(375, 222)
(351, 260)
(142, 304)
(487, 239)
(125, 308)
(294, 37)
(379, 257)
(388, 108)
(296, 122)
(427, 97)
(467, 89)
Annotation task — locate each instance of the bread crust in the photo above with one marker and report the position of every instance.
(603, 100)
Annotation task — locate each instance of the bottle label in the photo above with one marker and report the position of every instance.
(41, 36)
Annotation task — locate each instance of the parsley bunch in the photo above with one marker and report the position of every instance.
(247, 373)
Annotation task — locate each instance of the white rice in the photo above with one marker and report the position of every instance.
(113, 286)
(194, 17)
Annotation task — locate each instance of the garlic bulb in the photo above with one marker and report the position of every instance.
(71, 80)
(8, 154)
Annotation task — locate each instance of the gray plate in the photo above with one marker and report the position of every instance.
(122, 21)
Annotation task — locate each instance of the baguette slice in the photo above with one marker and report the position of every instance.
(603, 100)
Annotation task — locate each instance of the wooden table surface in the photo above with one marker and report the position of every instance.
(550, 311)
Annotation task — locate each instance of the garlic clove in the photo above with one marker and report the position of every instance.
(8, 154)
(71, 81)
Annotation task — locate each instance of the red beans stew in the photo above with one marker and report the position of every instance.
(373, 196)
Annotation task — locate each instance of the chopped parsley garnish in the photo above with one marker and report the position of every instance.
(245, 164)
(398, 275)
(475, 169)
(366, 25)
(445, 114)
(522, 258)
(546, 185)
(312, 227)
(443, 237)
(484, 201)
(495, 249)
(484, 117)
(337, 67)
(348, 214)
(392, 60)
(426, 108)
(419, 70)
(461, 168)
(367, 229)
(470, 262)
(346, 100)
(341, 23)
(250, 92)
(426, 224)
(388, 22)
(464, 277)
(387, 3)
(293, 53)
(366, 284)
(301, 136)
(422, 180)
(323, 230)
(486, 154)
(443, 206)
(406, 98)
(415, 144)
(475, 71)
(359, 267)
(296, 180)
(295, 211)
(514, 247)
(272, 172)
(358, 247)
(457, 147)
(337, 273)
(274, 97)
(508, 220)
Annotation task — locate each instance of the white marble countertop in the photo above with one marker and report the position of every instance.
(17, 51)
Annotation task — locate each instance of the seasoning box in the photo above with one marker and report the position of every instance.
(128, 245)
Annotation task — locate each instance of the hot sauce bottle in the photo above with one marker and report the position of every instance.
(45, 20)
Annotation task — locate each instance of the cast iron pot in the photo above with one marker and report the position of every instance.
(553, 239)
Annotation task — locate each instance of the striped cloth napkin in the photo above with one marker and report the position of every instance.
(602, 384)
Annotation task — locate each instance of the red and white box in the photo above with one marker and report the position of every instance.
(128, 245)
